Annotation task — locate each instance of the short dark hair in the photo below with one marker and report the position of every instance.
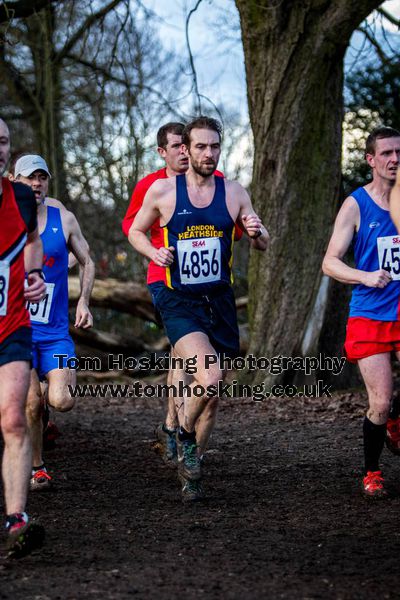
(201, 123)
(380, 133)
(175, 128)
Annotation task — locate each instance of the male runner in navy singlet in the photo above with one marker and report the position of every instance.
(170, 148)
(52, 344)
(20, 250)
(198, 213)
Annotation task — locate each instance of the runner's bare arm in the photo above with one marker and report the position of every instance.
(80, 249)
(33, 259)
(395, 202)
(345, 226)
(249, 220)
(145, 218)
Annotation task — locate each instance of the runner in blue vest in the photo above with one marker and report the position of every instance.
(373, 328)
(60, 234)
(198, 213)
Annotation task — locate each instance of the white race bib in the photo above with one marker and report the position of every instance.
(40, 312)
(389, 254)
(4, 283)
(199, 260)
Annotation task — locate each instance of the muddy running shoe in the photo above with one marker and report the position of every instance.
(40, 479)
(393, 435)
(192, 491)
(23, 536)
(188, 460)
(373, 484)
(166, 444)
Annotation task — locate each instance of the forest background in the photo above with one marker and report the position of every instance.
(87, 84)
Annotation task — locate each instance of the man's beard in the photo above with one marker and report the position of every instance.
(204, 170)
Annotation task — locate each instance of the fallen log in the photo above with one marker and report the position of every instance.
(123, 296)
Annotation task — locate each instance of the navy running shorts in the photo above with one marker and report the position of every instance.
(16, 346)
(213, 314)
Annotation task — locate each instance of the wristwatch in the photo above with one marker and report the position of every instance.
(256, 235)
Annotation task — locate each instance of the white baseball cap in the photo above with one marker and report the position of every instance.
(29, 163)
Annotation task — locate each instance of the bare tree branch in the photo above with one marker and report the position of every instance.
(17, 85)
(124, 82)
(373, 41)
(21, 9)
(84, 27)
(194, 73)
(389, 17)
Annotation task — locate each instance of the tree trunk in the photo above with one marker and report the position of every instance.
(294, 64)
(46, 120)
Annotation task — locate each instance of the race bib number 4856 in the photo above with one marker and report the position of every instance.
(199, 260)
(4, 283)
(389, 255)
(40, 312)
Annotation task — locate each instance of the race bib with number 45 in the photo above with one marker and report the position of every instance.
(40, 312)
(4, 283)
(389, 255)
(199, 260)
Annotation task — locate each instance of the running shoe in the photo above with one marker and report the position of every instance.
(393, 435)
(166, 444)
(40, 480)
(23, 536)
(188, 460)
(192, 491)
(373, 484)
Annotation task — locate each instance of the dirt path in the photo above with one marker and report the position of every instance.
(285, 517)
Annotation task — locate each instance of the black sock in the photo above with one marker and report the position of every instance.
(374, 439)
(186, 435)
(394, 409)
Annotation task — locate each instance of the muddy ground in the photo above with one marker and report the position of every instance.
(285, 517)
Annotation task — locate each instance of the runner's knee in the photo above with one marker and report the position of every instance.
(13, 422)
(211, 377)
(379, 406)
(61, 400)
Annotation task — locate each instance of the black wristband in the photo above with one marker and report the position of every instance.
(39, 272)
(257, 235)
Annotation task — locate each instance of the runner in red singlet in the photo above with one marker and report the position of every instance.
(20, 250)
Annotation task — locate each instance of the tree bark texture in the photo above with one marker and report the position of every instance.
(294, 65)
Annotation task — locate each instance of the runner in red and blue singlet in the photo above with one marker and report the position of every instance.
(20, 250)
(373, 329)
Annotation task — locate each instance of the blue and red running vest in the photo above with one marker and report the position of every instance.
(375, 303)
(49, 318)
(203, 240)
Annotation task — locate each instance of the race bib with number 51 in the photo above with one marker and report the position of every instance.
(199, 260)
(389, 255)
(40, 312)
(4, 283)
